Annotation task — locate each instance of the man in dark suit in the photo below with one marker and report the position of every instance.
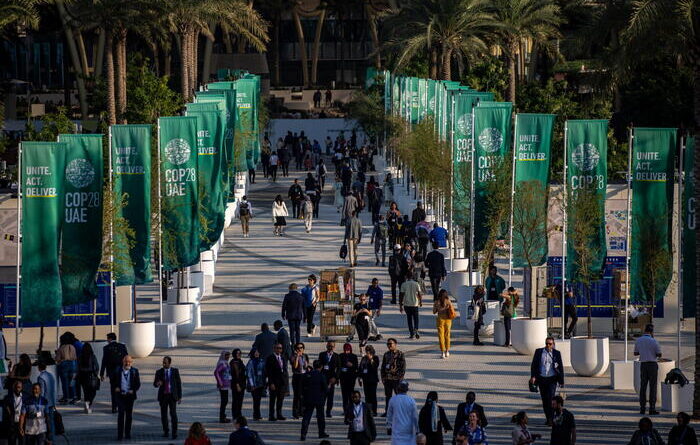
(293, 312)
(127, 383)
(361, 429)
(314, 388)
(463, 410)
(265, 341)
(169, 386)
(277, 373)
(112, 355)
(435, 262)
(11, 412)
(546, 371)
(283, 338)
(243, 435)
(330, 363)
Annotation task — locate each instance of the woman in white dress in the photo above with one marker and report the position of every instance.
(338, 198)
(279, 214)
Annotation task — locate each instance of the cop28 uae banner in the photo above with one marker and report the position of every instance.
(652, 206)
(177, 143)
(210, 138)
(491, 139)
(81, 247)
(235, 157)
(461, 151)
(41, 176)
(586, 158)
(533, 143)
(689, 227)
(131, 192)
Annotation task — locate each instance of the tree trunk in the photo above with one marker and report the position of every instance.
(100, 59)
(433, 62)
(375, 36)
(302, 48)
(316, 48)
(208, 48)
(511, 73)
(276, 49)
(184, 73)
(156, 57)
(589, 322)
(447, 65)
(81, 52)
(75, 60)
(167, 62)
(121, 74)
(109, 58)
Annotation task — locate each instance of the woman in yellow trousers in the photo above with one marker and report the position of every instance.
(445, 313)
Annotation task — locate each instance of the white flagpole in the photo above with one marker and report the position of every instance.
(471, 203)
(111, 232)
(628, 241)
(512, 201)
(160, 233)
(562, 303)
(681, 221)
(19, 249)
(452, 184)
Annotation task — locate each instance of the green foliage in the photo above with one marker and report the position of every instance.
(489, 75)
(498, 196)
(148, 96)
(53, 124)
(530, 219)
(367, 108)
(657, 266)
(116, 251)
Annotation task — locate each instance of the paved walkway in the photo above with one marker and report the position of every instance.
(253, 275)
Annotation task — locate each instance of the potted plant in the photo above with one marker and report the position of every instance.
(590, 356)
(529, 224)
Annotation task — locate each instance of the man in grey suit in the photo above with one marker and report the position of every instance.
(265, 341)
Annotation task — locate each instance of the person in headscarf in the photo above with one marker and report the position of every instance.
(255, 373)
(432, 420)
(222, 372)
(348, 373)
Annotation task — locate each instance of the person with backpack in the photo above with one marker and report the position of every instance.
(393, 216)
(379, 238)
(398, 267)
(244, 212)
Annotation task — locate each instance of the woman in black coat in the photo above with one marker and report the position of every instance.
(369, 377)
(88, 378)
(432, 420)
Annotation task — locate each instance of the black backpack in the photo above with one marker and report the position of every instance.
(244, 209)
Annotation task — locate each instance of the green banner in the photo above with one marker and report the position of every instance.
(177, 140)
(586, 158)
(492, 140)
(370, 77)
(41, 176)
(461, 150)
(212, 204)
(689, 227)
(388, 79)
(235, 158)
(395, 94)
(81, 236)
(651, 258)
(131, 191)
(247, 122)
(533, 142)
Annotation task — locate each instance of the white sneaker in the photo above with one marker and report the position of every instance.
(443, 355)
(314, 333)
(447, 353)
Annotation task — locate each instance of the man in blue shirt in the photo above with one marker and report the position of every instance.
(376, 295)
(33, 423)
(439, 235)
(47, 382)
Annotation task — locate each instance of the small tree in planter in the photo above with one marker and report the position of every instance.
(584, 224)
(529, 224)
(498, 196)
(656, 267)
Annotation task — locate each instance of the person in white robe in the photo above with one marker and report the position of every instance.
(402, 417)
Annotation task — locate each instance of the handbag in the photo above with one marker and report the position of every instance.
(343, 251)
(451, 313)
(59, 429)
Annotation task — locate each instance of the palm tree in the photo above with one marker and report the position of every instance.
(672, 27)
(190, 18)
(20, 13)
(449, 29)
(524, 21)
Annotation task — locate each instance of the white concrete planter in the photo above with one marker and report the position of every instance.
(499, 333)
(528, 334)
(215, 250)
(621, 375)
(460, 264)
(197, 280)
(166, 335)
(190, 294)
(207, 255)
(590, 357)
(139, 338)
(197, 267)
(97, 348)
(182, 315)
(197, 316)
(665, 365)
(675, 398)
(209, 269)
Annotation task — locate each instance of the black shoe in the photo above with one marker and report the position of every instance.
(383, 415)
(383, 265)
(271, 419)
(653, 412)
(376, 263)
(417, 335)
(165, 434)
(411, 336)
(224, 420)
(328, 414)
(393, 301)
(257, 418)
(174, 436)
(642, 411)
(281, 418)
(302, 438)
(323, 436)
(127, 437)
